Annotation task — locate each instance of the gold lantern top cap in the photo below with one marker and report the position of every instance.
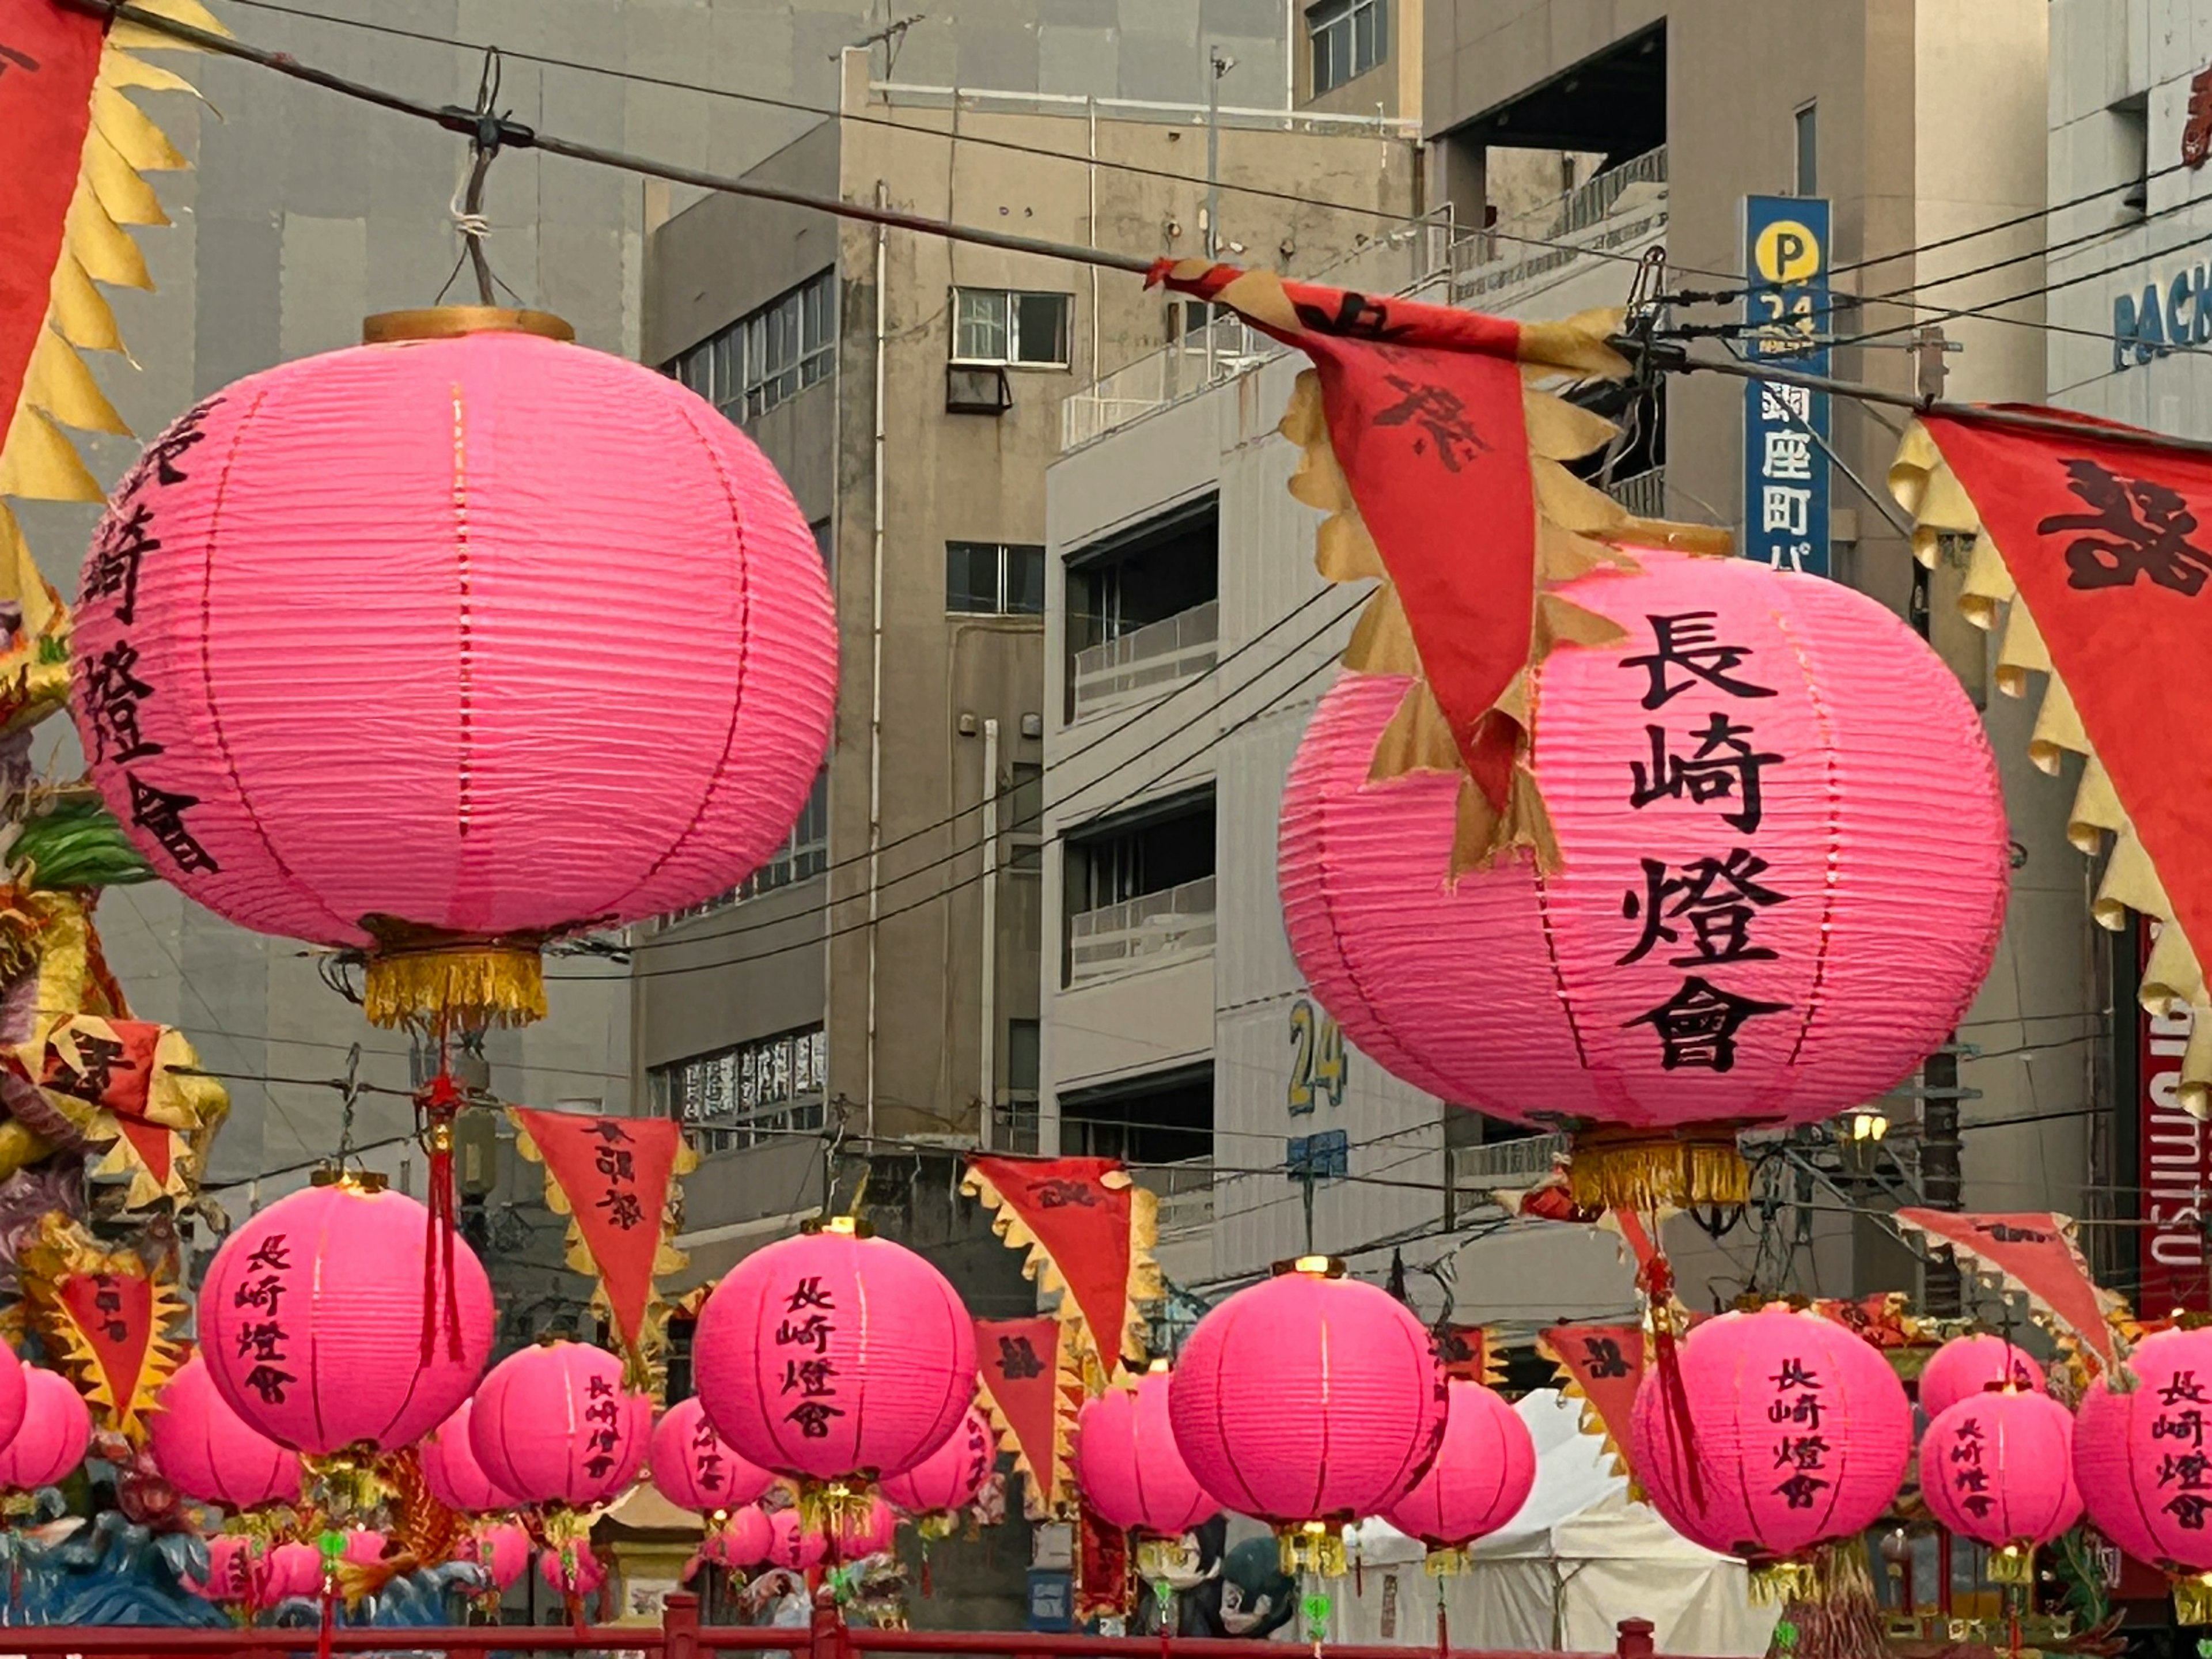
(1314, 1267)
(844, 1226)
(452, 322)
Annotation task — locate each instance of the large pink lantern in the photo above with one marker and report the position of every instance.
(451, 1471)
(1128, 1466)
(950, 1476)
(1999, 1468)
(554, 1425)
(55, 1431)
(312, 1321)
(1308, 1402)
(835, 1354)
(2143, 1462)
(422, 616)
(1779, 877)
(793, 1544)
(210, 1453)
(1798, 1432)
(694, 1470)
(1971, 1365)
(1482, 1474)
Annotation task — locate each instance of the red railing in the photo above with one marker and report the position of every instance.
(681, 1636)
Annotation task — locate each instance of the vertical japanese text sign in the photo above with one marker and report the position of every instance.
(1786, 311)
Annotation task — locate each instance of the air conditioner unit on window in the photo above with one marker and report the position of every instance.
(973, 390)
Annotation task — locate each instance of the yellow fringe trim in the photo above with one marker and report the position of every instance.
(63, 1249)
(1923, 483)
(1316, 1546)
(450, 988)
(1645, 1171)
(1144, 1282)
(2192, 1599)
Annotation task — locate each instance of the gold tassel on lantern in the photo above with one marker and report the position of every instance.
(1446, 1564)
(1784, 1581)
(439, 981)
(1315, 1546)
(2192, 1599)
(2013, 1565)
(1640, 1171)
(347, 1484)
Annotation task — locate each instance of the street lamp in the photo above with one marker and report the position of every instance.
(1860, 1135)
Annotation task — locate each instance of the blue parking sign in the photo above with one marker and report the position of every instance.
(1788, 323)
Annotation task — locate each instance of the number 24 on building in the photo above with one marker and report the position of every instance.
(1317, 1064)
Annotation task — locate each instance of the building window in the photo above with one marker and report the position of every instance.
(1809, 150)
(1024, 810)
(769, 355)
(748, 1094)
(806, 852)
(1350, 37)
(1018, 1114)
(994, 579)
(1001, 326)
(824, 543)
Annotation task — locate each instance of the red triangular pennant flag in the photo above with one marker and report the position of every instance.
(114, 1314)
(2034, 1252)
(1032, 1393)
(1602, 1364)
(1089, 1231)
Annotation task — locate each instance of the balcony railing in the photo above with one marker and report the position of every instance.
(1494, 1164)
(1186, 1196)
(1620, 205)
(1146, 660)
(1139, 932)
(1645, 495)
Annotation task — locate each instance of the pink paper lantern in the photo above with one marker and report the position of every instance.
(1128, 1464)
(288, 1570)
(878, 1346)
(1308, 1398)
(1482, 1474)
(1800, 1433)
(2143, 1460)
(869, 1533)
(231, 1570)
(793, 1545)
(1702, 960)
(422, 617)
(554, 1425)
(14, 1395)
(210, 1453)
(312, 1321)
(950, 1476)
(1999, 1468)
(451, 1471)
(694, 1470)
(571, 1570)
(502, 1549)
(1974, 1365)
(743, 1540)
(363, 1546)
(56, 1430)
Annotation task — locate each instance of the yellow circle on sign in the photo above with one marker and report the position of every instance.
(1787, 252)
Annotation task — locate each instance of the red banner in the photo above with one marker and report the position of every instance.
(1089, 1231)
(49, 57)
(1104, 1586)
(114, 1314)
(2175, 1164)
(1602, 1363)
(2034, 1252)
(1469, 1355)
(1032, 1392)
(1879, 1318)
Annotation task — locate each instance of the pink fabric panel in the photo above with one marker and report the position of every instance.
(693, 1469)
(828, 1355)
(2141, 1461)
(209, 1454)
(1482, 1475)
(1127, 1464)
(57, 1428)
(451, 1471)
(1971, 1365)
(950, 1476)
(1308, 1398)
(489, 634)
(793, 1545)
(1801, 1434)
(1999, 1468)
(311, 1317)
(1880, 884)
(553, 1425)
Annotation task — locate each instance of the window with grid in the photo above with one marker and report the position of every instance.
(1007, 325)
(994, 579)
(747, 1094)
(768, 355)
(806, 852)
(1349, 37)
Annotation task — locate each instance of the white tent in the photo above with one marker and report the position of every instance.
(1578, 1560)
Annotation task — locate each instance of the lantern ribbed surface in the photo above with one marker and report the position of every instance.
(744, 1541)
(210, 1453)
(1971, 1365)
(55, 1428)
(831, 1354)
(1800, 1433)
(692, 1467)
(1999, 1468)
(1801, 906)
(950, 1476)
(554, 1425)
(452, 1473)
(1307, 1398)
(14, 1394)
(312, 1320)
(2141, 1461)
(491, 637)
(792, 1544)
(1128, 1467)
(1482, 1474)
(869, 1533)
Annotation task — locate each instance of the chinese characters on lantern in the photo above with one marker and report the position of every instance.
(603, 1412)
(262, 1337)
(115, 690)
(707, 1458)
(1786, 307)
(1700, 914)
(2137, 527)
(1964, 1469)
(2185, 1468)
(810, 1376)
(1801, 1448)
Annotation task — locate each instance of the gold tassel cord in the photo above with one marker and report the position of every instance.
(2192, 1599)
(1640, 1172)
(455, 987)
(1315, 1546)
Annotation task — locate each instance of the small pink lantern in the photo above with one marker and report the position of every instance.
(288, 1571)
(869, 1533)
(793, 1544)
(950, 1476)
(1998, 1468)
(1308, 1402)
(694, 1470)
(2143, 1462)
(363, 1546)
(312, 1321)
(57, 1428)
(1780, 870)
(337, 705)
(1128, 1464)
(210, 1453)
(878, 1348)
(743, 1540)
(571, 1570)
(1799, 1432)
(451, 1471)
(231, 1572)
(1483, 1474)
(1975, 1364)
(501, 1548)
(554, 1425)
(14, 1395)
